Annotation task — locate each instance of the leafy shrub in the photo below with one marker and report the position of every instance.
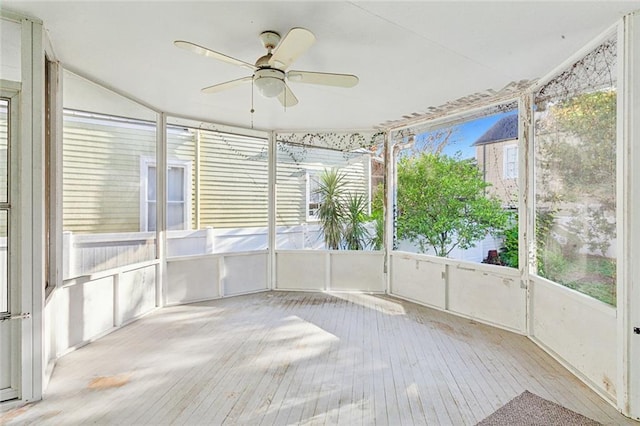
(509, 250)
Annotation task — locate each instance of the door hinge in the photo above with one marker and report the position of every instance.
(25, 315)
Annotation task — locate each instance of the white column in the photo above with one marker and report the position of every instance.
(271, 266)
(389, 190)
(161, 208)
(629, 217)
(526, 202)
(56, 234)
(31, 207)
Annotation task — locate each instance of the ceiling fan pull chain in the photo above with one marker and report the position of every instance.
(252, 110)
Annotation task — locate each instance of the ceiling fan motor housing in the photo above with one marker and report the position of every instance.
(269, 39)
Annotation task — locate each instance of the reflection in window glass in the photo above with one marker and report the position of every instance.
(457, 189)
(4, 150)
(575, 138)
(4, 261)
(4, 198)
(314, 197)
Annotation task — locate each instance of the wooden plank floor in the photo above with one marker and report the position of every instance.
(281, 358)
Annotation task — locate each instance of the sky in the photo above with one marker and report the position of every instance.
(468, 132)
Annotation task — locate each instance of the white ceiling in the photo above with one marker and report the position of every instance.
(408, 55)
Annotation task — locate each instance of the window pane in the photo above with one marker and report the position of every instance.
(151, 183)
(230, 211)
(175, 184)
(10, 50)
(311, 179)
(181, 180)
(453, 199)
(4, 261)
(151, 216)
(4, 150)
(175, 216)
(314, 197)
(105, 140)
(234, 190)
(575, 139)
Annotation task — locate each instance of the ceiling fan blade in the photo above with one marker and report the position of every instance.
(287, 98)
(294, 44)
(187, 45)
(323, 78)
(227, 85)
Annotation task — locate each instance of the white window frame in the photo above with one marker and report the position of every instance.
(145, 163)
(310, 174)
(505, 162)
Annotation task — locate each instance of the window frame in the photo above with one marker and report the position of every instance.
(145, 163)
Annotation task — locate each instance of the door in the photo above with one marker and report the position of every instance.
(9, 309)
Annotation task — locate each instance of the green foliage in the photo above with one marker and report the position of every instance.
(509, 250)
(577, 169)
(555, 265)
(442, 204)
(544, 242)
(578, 165)
(591, 275)
(377, 200)
(594, 227)
(342, 215)
(585, 155)
(355, 234)
(331, 188)
(377, 214)
(603, 292)
(564, 264)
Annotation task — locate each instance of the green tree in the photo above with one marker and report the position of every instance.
(583, 153)
(577, 164)
(442, 204)
(509, 251)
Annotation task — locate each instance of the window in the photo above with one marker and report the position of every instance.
(6, 111)
(178, 196)
(451, 190)
(575, 167)
(313, 197)
(511, 162)
(300, 169)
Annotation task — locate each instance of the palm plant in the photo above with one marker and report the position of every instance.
(355, 234)
(331, 188)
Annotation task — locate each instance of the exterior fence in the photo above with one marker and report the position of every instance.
(85, 254)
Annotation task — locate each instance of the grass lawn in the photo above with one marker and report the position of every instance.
(588, 274)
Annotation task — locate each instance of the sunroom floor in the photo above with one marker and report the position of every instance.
(303, 358)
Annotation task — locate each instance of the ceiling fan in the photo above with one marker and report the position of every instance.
(270, 73)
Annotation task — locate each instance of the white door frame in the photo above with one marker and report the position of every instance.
(11, 92)
(28, 237)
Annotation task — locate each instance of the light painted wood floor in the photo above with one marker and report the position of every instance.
(303, 358)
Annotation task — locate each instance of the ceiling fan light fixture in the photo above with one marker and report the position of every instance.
(269, 81)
